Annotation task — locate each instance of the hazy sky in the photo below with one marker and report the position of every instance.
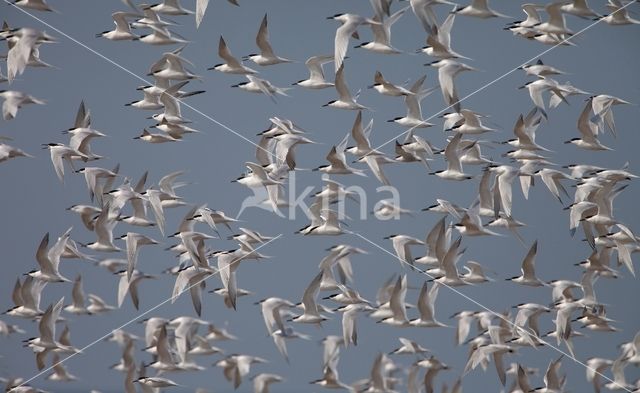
(605, 60)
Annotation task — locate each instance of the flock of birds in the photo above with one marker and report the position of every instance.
(173, 345)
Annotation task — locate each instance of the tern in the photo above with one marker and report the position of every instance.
(454, 166)
(408, 347)
(382, 34)
(426, 308)
(258, 85)
(348, 27)
(397, 304)
(38, 5)
(14, 100)
(267, 56)
(619, 15)
(77, 307)
(401, 245)
(439, 40)
(556, 23)
(579, 8)
(122, 32)
(479, 9)
(345, 99)
(262, 381)
(470, 124)
(414, 119)
(448, 69)
(540, 69)
(528, 276)
(311, 314)
(26, 297)
(425, 14)
(49, 259)
(385, 87)
(602, 106)
(338, 161)
(9, 152)
(231, 64)
(170, 7)
(588, 131)
(126, 285)
(134, 241)
(316, 78)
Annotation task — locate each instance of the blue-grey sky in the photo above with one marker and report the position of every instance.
(605, 60)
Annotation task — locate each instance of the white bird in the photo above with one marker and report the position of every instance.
(540, 69)
(349, 318)
(236, 367)
(397, 304)
(231, 64)
(579, 8)
(26, 297)
(539, 86)
(387, 209)
(588, 131)
(470, 124)
(348, 27)
(439, 40)
(38, 5)
(155, 382)
(338, 161)
(345, 99)
(272, 308)
(452, 154)
(97, 305)
(382, 34)
(122, 32)
(382, 86)
(49, 259)
(414, 119)
(448, 69)
(60, 372)
(408, 347)
(619, 14)
(259, 85)
(316, 78)
(262, 381)
(201, 8)
(401, 246)
(479, 9)
(23, 50)
(528, 276)
(426, 307)
(134, 241)
(9, 152)
(556, 23)
(375, 162)
(551, 178)
(126, 285)
(14, 100)
(77, 306)
(602, 106)
(311, 314)
(451, 276)
(170, 7)
(103, 227)
(425, 14)
(267, 56)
